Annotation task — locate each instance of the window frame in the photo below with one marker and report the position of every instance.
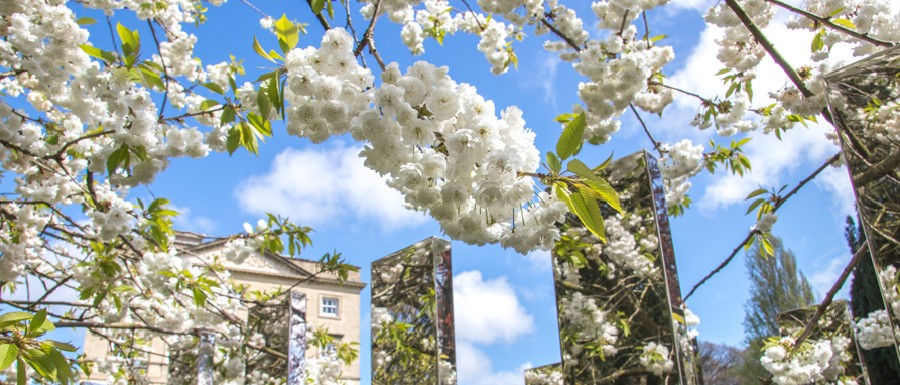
(336, 307)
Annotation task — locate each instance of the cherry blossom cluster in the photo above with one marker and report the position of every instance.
(803, 367)
(680, 162)
(655, 357)
(874, 330)
(629, 241)
(590, 324)
(872, 18)
(543, 377)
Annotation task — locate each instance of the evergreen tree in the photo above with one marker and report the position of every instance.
(865, 297)
(776, 286)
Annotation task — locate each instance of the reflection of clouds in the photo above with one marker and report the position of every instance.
(489, 310)
(476, 368)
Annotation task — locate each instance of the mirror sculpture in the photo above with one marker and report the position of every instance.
(544, 375)
(279, 327)
(835, 327)
(413, 339)
(191, 360)
(864, 101)
(619, 304)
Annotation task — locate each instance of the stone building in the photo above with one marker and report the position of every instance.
(330, 302)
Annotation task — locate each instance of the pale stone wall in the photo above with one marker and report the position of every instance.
(265, 274)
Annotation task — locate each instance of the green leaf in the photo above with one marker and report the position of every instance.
(37, 321)
(214, 88)
(756, 193)
(553, 162)
(117, 157)
(844, 23)
(61, 346)
(572, 137)
(817, 43)
(234, 139)
(658, 38)
(248, 139)
(207, 104)
(602, 190)
(21, 376)
(95, 52)
(260, 51)
(85, 21)
(579, 168)
(228, 115)
(287, 32)
(318, 6)
(15, 316)
(836, 12)
(8, 354)
(588, 211)
(563, 118)
(262, 101)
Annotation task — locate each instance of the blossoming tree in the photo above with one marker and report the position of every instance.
(84, 122)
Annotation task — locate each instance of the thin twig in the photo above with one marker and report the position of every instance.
(474, 15)
(762, 40)
(561, 35)
(779, 202)
(370, 31)
(826, 21)
(321, 18)
(646, 130)
(162, 61)
(820, 310)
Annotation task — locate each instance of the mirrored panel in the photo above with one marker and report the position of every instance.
(544, 375)
(864, 100)
(413, 339)
(278, 335)
(835, 329)
(619, 304)
(191, 360)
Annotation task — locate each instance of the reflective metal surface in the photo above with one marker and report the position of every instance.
(297, 339)
(281, 322)
(413, 340)
(619, 303)
(544, 375)
(863, 100)
(836, 326)
(206, 354)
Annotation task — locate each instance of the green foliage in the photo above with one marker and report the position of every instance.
(572, 137)
(131, 44)
(731, 157)
(19, 333)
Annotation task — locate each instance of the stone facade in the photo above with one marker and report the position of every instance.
(265, 273)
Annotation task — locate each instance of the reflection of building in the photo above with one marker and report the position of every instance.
(330, 303)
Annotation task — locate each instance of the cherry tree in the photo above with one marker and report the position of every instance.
(84, 122)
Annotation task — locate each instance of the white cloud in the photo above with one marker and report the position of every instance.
(475, 368)
(825, 276)
(772, 159)
(487, 311)
(542, 75)
(538, 260)
(187, 222)
(316, 187)
(837, 181)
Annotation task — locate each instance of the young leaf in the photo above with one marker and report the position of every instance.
(95, 52)
(571, 138)
(287, 32)
(601, 189)
(553, 162)
(37, 321)
(588, 211)
(317, 6)
(844, 23)
(8, 354)
(260, 51)
(579, 168)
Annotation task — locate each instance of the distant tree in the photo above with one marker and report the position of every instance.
(720, 364)
(865, 297)
(776, 286)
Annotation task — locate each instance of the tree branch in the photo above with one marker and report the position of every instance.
(780, 202)
(826, 21)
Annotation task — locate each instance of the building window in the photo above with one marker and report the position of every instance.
(330, 307)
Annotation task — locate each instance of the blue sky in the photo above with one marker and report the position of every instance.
(505, 312)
